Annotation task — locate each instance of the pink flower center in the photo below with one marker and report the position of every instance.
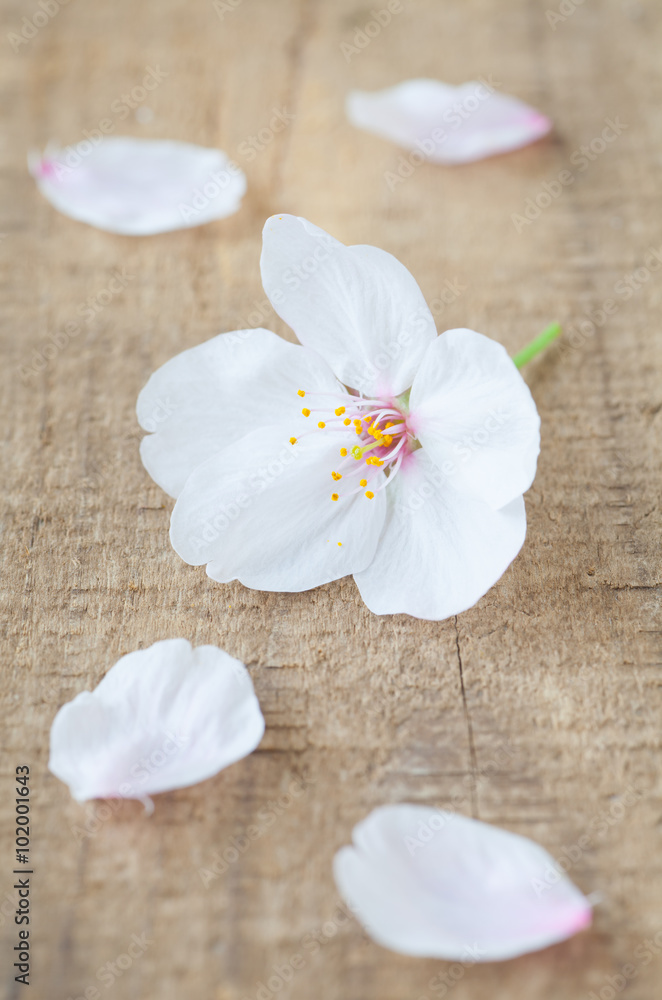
(383, 438)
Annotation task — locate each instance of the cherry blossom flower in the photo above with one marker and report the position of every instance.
(164, 717)
(436, 884)
(447, 124)
(376, 448)
(139, 186)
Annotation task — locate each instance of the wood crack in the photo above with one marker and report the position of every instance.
(473, 762)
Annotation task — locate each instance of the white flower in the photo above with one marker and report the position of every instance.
(139, 186)
(447, 124)
(412, 479)
(163, 717)
(435, 884)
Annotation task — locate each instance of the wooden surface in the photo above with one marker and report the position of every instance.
(538, 708)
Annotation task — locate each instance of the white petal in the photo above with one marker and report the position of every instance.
(139, 186)
(440, 551)
(261, 512)
(163, 717)
(357, 306)
(447, 124)
(206, 398)
(436, 884)
(474, 415)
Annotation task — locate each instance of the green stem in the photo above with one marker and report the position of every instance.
(537, 345)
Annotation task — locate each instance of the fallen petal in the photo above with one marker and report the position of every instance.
(447, 124)
(139, 186)
(436, 884)
(164, 717)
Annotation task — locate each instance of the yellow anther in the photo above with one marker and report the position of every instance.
(339, 543)
(301, 393)
(347, 421)
(366, 420)
(339, 412)
(388, 439)
(336, 476)
(358, 430)
(363, 482)
(306, 412)
(357, 423)
(369, 494)
(343, 452)
(293, 440)
(321, 425)
(334, 496)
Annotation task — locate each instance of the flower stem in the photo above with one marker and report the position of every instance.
(537, 345)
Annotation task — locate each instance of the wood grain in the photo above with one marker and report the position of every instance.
(558, 664)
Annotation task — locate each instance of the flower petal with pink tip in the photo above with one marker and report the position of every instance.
(436, 884)
(164, 717)
(137, 187)
(447, 124)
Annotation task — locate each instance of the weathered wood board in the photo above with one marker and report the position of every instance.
(539, 708)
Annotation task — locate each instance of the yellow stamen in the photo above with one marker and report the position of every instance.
(336, 476)
(293, 440)
(321, 425)
(369, 494)
(339, 543)
(339, 412)
(301, 393)
(334, 496)
(306, 412)
(343, 452)
(347, 421)
(363, 482)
